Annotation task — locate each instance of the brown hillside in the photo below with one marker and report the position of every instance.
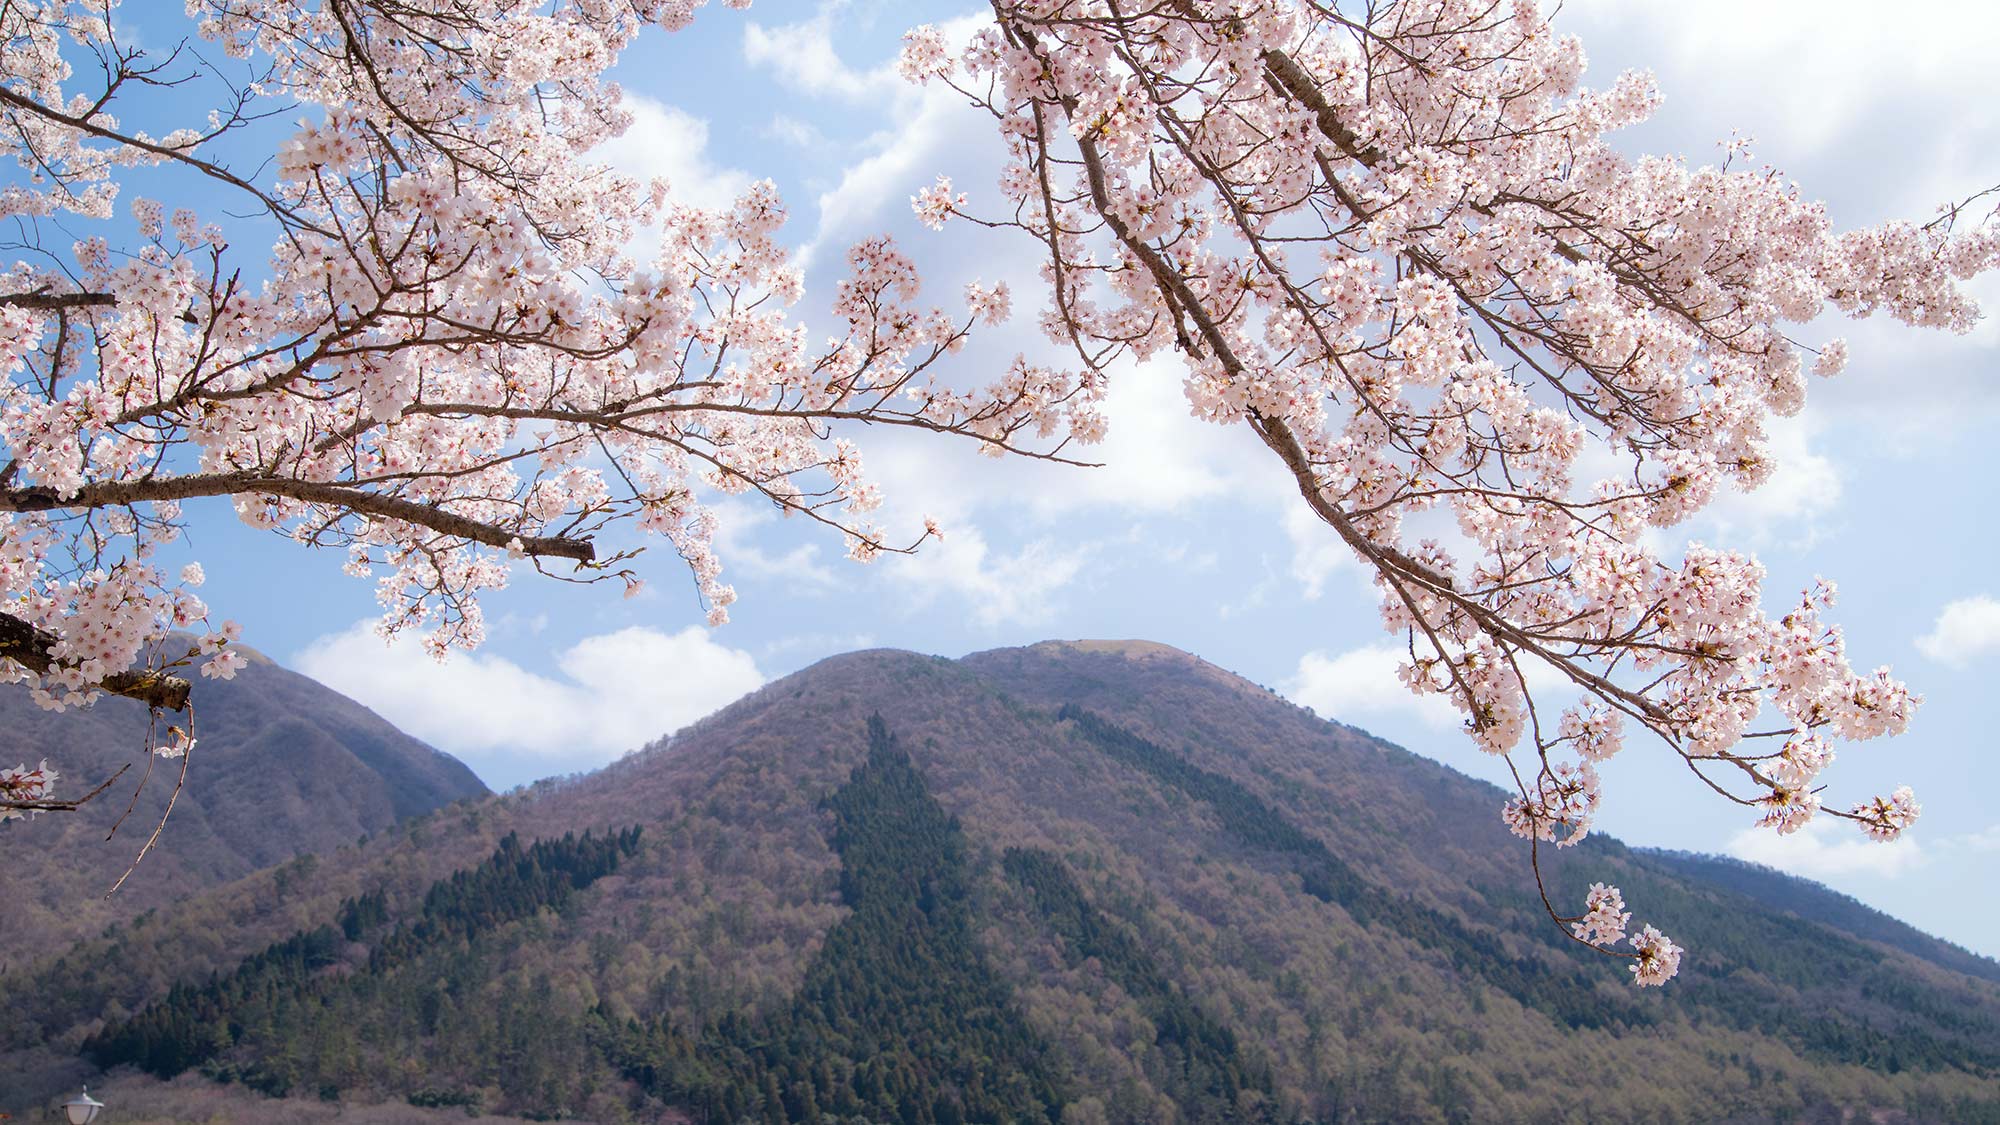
(284, 766)
(1274, 918)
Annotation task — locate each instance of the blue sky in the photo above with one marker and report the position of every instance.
(1188, 535)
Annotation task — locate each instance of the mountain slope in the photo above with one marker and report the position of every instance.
(283, 766)
(1818, 903)
(1158, 893)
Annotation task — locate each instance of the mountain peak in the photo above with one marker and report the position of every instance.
(1055, 661)
(1131, 649)
(1095, 880)
(285, 766)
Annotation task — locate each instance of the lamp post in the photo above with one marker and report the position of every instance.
(82, 1109)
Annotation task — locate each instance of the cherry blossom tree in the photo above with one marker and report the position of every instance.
(452, 356)
(1394, 240)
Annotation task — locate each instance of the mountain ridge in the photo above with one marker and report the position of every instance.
(1816, 901)
(282, 766)
(1281, 903)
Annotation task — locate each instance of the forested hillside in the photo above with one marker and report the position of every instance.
(283, 767)
(1068, 883)
(1810, 900)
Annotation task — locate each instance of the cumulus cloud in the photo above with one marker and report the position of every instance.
(1804, 488)
(922, 131)
(790, 130)
(1361, 683)
(665, 141)
(1826, 849)
(1966, 630)
(1982, 842)
(802, 568)
(1812, 69)
(611, 693)
(876, 189)
(1156, 459)
(1157, 456)
(1829, 91)
(803, 57)
(1000, 588)
(1792, 510)
(1317, 553)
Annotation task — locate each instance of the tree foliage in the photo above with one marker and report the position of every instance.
(1209, 1075)
(899, 1017)
(278, 992)
(738, 966)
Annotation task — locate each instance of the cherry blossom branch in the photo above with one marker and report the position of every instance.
(1489, 291)
(126, 493)
(35, 649)
(44, 301)
(180, 783)
(52, 805)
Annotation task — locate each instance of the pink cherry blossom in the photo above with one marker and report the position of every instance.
(1404, 248)
(1604, 922)
(1658, 958)
(469, 351)
(21, 786)
(934, 204)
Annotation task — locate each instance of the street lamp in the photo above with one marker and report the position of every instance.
(82, 1109)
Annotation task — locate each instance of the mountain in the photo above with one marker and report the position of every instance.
(1816, 902)
(282, 767)
(1075, 882)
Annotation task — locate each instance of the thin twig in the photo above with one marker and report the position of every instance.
(66, 806)
(152, 726)
(179, 783)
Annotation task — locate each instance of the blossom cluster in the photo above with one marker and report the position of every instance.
(20, 786)
(1495, 351)
(472, 348)
(1658, 958)
(1604, 922)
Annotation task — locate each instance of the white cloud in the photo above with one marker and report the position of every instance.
(667, 142)
(1881, 118)
(902, 161)
(801, 568)
(1791, 511)
(1810, 68)
(1156, 456)
(1966, 629)
(614, 693)
(919, 130)
(1362, 682)
(1002, 589)
(803, 57)
(923, 130)
(1183, 555)
(794, 132)
(1317, 552)
(1979, 843)
(1354, 685)
(1803, 488)
(1826, 848)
